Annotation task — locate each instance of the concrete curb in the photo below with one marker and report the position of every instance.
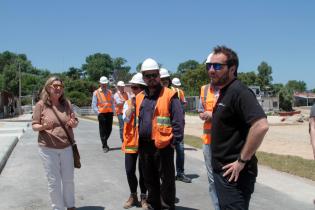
(6, 148)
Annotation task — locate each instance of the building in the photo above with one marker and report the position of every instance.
(303, 99)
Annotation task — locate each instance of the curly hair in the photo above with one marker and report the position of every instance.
(44, 95)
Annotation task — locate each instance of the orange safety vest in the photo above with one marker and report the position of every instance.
(162, 131)
(104, 102)
(180, 94)
(131, 134)
(208, 101)
(119, 107)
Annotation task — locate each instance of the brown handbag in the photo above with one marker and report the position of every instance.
(76, 154)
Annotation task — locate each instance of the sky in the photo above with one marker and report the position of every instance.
(56, 35)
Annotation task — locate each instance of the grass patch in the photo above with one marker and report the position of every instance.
(289, 164)
(286, 163)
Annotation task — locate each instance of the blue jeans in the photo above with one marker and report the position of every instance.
(180, 158)
(121, 126)
(212, 191)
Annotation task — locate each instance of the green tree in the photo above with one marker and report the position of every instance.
(264, 77)
(121, 71)
(193, 79)
(74, 73)
(186, 66)
(78, 98)
(138, 68)
(98, 65)
(296, 86)
(248, 78)
(285, 99)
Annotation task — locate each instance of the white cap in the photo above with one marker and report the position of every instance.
(137, 79)
(209, 58)
(176, 82)
(103, 80)
(149, 64)
(164, 73)
(121, 83)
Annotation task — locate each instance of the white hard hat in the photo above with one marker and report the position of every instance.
(164, 73)
(176, 82)
(137, 79)
(209, 58)
(149, 64)
(121, 83)
(103, 80)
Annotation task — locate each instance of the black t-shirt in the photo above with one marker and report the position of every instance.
(236, 108)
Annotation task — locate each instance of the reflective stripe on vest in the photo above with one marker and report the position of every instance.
(162, 131)
(165, 121)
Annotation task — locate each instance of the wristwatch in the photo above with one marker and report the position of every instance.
(239, 159)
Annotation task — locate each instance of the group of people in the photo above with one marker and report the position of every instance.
(151, 121)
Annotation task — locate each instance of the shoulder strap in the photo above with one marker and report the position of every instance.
(63, 126)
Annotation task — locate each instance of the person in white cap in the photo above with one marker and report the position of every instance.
(165, 77)
(103, 106)
(119, 98)
(179, 148)
(130, 147)
(207, 101)
(160, 129)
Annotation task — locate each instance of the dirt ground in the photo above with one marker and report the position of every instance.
(286, 135)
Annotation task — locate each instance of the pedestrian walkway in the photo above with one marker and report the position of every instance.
(101, 182)
(11, 130)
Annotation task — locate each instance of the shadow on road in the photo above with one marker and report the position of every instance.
(193, 176)
(193, 149)
(114, 148)
(91, 208)
(184, 208)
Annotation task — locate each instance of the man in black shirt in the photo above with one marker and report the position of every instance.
(238, 127)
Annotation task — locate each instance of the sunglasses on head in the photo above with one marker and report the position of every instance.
(57, 86)
(148, 76)
(216, 66)
(135, 87)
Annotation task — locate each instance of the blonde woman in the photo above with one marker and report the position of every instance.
(54, 146)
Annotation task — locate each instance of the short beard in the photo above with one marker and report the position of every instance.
(223, 80)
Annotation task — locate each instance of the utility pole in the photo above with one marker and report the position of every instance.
(20, 108)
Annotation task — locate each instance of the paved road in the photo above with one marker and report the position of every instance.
(101, 182)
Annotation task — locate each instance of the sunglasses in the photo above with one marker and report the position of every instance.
(216, 66)
(57, 86)
(148, 76)
(135, 87)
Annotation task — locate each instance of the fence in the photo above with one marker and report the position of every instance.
(82, 111)
(267, 103)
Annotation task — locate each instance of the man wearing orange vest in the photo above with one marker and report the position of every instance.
(160, 120)
(103, 106)
(208, 98)
(120, 97)
(130, 146)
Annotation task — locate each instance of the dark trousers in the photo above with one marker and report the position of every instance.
(158, 164)
(105, 126)
(234, 195)
(130, 166)
(180, 158)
